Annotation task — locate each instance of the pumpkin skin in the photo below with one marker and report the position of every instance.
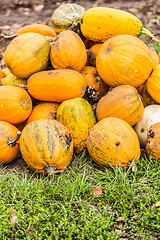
(43, 110)
(11, 80)
(153, 84)
(92, 53)
(9, 145)
(67, 16)
(155, 57)
(153, 141)
(124, 59)
(113, 141)
(6, 71)
(121, 102)
(15, 104)
(147, 97)
(56, 85)
(26, 54)
(66, 55)
(46, 146)
(77, 115)
(37, 28)
(2, 74)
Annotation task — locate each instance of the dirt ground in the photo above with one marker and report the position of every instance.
(17, 13)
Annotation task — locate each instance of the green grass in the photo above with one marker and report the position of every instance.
(63, 206)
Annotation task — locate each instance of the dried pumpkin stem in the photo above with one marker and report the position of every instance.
(13, 141)
(149, 34)
(50, 169)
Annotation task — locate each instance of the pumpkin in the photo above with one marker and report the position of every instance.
(9, 145)
(147, 97)
(56, 85)
(67, 16)
(37, 28)
(151, 115)
(15, 104)
(153, 141)
(112, 141)
(26, 54)
(95, 87)
(92, 53)
(124, 59)
(155, 57)
(121, 102)
(159, 56)
(66, 55)
(101, 23)
(2, 74)
(153, 84)
(12, 80)
(6, 71)
(77, 115)
(44, 110)
(46, 146)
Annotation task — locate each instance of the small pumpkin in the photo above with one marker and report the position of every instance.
(121, 102)
(153, 84)
(46, 146)
(66, 55)
(12, 80)
(37, 28)
(43, 110)
(112, 141)
(77, 115)
(2, 74)
(56, 85)
(9, 144)
(15, 104)
(26, 54)
(124, 59)
(92, 53)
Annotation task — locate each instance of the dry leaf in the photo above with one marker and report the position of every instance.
(136, 217)
(157, 204)
(14, 218)
(119, 231)
(123, 219)
(97, 191)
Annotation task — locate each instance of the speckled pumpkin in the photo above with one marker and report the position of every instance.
(78, 116)
(26, 54)
(12, 80)
(124, 59)
(46, 146)
(121, 102)
(37, 28)
(56, 85)
(112, 141)
(153, 84)
(68, 51)
(9, 145)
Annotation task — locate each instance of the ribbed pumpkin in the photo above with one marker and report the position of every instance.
(27, 54)
(15, 104)
(67, 16)
(112, 141)
(56, 85)
(92, 53)
(9, 145)
(78, 116)
(37, 28)
(101, 23)
(121, 102)
(12, 79)
(124, 59)
(46, 146)
(147, 97)
(153, 84)
(43, 110)
(153, 141)
(68, 51)
(155, 57)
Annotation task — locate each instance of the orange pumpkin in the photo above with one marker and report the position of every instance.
(9, 145)
(46, 146)
(6, 71)
(15, 104)
(147, 97)
(92, 53)
(159, 56)
(37, 28)
(124, 59)
(26, 54)
(155, 57)
(43, 110)
(68, 51)
(2, 74)
(56, 85)
(112, 141)
(121, 102)
(153, 84)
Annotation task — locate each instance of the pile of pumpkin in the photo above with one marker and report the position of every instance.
(88, 82)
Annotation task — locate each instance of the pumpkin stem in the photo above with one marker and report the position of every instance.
(13, 141)
(149, 34)
(50, 169)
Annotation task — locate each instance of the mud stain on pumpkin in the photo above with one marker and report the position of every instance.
(68, 140)
(117, 144)
(108, 50)
(151, 134)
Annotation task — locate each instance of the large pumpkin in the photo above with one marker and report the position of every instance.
(46, 146)
(26, 54)
(9, 145)
(153, 84)
(112, 141)
(122, 102)
(68, 51)
(124, 59)
(56, 85)
(37, 28)
(15, 104)
(78, 116)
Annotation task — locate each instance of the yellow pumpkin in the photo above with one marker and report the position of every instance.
(12, 79)
(154, 56)
(37, 28)
(147, 97)
(153, 84)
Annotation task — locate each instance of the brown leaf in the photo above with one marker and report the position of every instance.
(157, 204)
(97, 191)
(123, 219)
(136, 217)
(14, 218)
(119, 231)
